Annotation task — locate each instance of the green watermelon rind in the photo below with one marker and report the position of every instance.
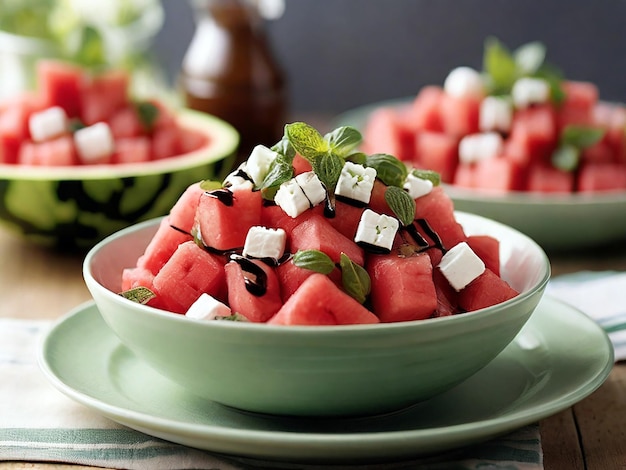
(73, 208)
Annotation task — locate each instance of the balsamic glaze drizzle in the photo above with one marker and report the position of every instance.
(254, 276)
(224, 195)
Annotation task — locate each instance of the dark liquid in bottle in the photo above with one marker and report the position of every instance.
(230, 71)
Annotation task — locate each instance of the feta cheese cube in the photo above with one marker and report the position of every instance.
(376, 229)
(264, 242)
(460, 266)
(312, 187)
(259, 163)
(207, 307)
(291, 198)
(464, 82)
(94, 143)
(496, 114)
(47, 124)
(356, 182)
(476, 147)
(237, 178)
(527, 91)
(417, 187)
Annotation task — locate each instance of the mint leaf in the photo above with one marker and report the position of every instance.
(209, 185)
(433, 176)
(280, 170)
(554, 77)
(401, 203)
(499, 65)
(306, 140)
(148, 113)
(142, 295)
(529, 58)
(357, 157)
(581, 136)
(232, 317)
(328, 167)
(343, 140)
(355, 279)
(91, 51)
(314, 260)
(566, 158)
(284, 148)
(389, 169)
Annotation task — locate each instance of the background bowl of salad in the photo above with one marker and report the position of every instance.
(516, 142)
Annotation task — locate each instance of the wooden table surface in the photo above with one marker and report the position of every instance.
(39, 284)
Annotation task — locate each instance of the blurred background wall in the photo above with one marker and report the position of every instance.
(339, 54)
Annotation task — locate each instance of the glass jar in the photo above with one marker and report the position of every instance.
(230, 71)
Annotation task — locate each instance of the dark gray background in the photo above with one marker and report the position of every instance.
(339, 54)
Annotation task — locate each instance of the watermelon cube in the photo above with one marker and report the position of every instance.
(256, 305)
(459, 115)
(438, 152)
(438, 210)
(189, 272)
(61, 84)
(580, 100)
(402, 288)
(166, 142)
(488, 249)
(602, 177)
(316, 233)
(301, 165)
(291, 277)
(547, 179)
(486, 290)
(424, 113)
(125, 123)
(162, 246)
(132, 150)
(182, 215)
(318, 301)
(103, 95)
(223, 221)
(534, 135)
(59, 151)
(499, 174)
(386, 133)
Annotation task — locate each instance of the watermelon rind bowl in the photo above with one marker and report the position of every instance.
(317, 370)
(558, 222)
(74, 207)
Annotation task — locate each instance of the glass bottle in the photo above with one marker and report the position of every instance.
(230, 71)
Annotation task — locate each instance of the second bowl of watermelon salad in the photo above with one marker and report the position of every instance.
(316, 280)
(516, 142)
(81, 158)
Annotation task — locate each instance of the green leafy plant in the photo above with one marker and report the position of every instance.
(573, 140)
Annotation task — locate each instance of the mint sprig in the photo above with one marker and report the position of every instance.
(433, 176)
(573, 140)
(401, 203)
(389, 169)
(148, 113)
(306, 140)
(343, 140)
(355, 279)
(314, 260)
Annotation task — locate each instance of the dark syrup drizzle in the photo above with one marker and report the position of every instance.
(254, 276)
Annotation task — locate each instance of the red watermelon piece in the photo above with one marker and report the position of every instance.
(547, 179)
(316, 233)
(486, 290)
(438, 210)
(256, 308)
(602, 177)
(60, 84)
(291, 277)
(103, 95)
(488, 249)
(459, 116)
(386, 133)
(534, 135)
(162, 246)
(577, 107)
(499, 174)
(125, 122)
(438, 152)
(182, 215)
(402, 288)
(223, 226)
(132, 150)
(307, 307)
(189, 272)
(424, 113)
(59, 151)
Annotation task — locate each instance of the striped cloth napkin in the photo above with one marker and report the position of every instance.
(39, 423)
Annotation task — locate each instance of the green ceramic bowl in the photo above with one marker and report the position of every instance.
(75, 207)
(316, 371)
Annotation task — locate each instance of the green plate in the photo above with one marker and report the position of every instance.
(557, 222)
(560, 357)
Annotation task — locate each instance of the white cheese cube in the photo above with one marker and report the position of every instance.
(527, 91)
(464, 82)
(417, 187)
(376, 229)
(207, 307)
(291, 198)
(496, 114)
(264, 242)
(47, 124)
(94, 143)
(356, 182)
(460, 266)
(312, 187)
(483, 146)
(259, 162)
(237, 178)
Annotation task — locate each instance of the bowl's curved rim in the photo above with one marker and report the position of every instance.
(434, 323)
(224, 143)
